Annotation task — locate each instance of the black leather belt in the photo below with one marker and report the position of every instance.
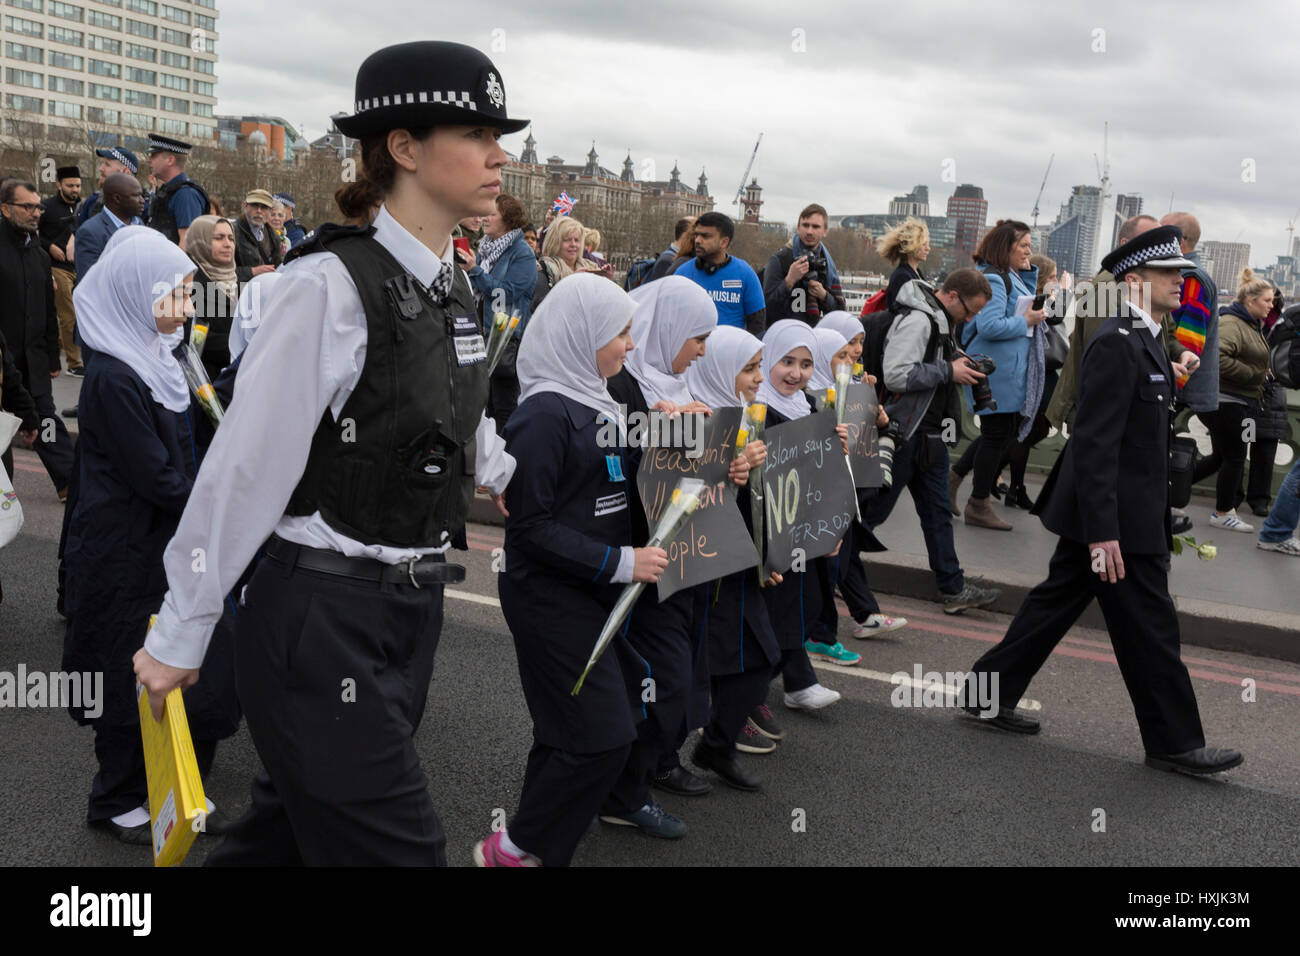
(420, 572)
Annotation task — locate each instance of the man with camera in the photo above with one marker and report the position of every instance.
(922, 369)
(1108, 500)
(801, 280)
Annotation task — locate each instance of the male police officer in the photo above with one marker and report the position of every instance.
(178, 200)
(116, 159)
(1108, 499)
(351, 441)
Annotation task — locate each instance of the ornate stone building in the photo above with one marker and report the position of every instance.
(594, 186)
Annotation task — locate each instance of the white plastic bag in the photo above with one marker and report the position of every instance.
(11, 512)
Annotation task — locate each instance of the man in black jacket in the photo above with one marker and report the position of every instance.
(256, 248)
(58, 223)
(15, 400)
(792, 288)
(1108, 500)
(29, 323)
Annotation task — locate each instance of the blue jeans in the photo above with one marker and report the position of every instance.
(929, 488)
(1282, 520)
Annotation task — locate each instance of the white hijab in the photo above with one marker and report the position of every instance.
(711, 378)
(829, 342)
(114, 305)
(582, 314)
(670, 311)
(842, 322)
(780, 340)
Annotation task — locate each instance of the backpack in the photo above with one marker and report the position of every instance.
(874, 305)
(876, 327)
(638, 272)
(1284, 354)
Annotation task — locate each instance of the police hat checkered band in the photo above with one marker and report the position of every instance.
(157, 146)
(461, 99)
(114, 153)
(1166, 250)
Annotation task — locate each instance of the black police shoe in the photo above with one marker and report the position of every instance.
(726, 766)
(1197, 762)
(1007, 719)
(682, 782)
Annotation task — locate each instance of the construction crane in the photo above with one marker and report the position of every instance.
(745, 178)
(1039, 197)
(1103, 175)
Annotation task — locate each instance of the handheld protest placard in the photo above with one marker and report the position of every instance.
(714, 541)
(809, 495)
(860, 416)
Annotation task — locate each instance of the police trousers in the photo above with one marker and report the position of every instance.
(333, 675)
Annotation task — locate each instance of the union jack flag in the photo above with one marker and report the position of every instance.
(563, 203)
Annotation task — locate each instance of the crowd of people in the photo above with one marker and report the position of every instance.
(360, 416)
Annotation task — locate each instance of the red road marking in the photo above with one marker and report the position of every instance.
(1080, 653)
(1105, 645)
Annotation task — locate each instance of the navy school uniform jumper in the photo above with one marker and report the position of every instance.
(569, 515)
(670, 635)
(137, 465)
(795, 605)
(742, 648)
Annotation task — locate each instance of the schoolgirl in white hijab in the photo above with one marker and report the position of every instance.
(568, 551)
(829, 344)
(581, 315)
(672, 312)
(137, 460)
(116, 309)
(849, 327)
(711, 378)
(781, 339)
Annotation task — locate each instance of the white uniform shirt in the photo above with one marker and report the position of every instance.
(260, 451)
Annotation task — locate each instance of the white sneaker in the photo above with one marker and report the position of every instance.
(878, 624)
(812, 698)
(1290, 546)
(1230, 522)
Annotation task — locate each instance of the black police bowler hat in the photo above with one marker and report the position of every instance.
(413, 85)
(1158, 248)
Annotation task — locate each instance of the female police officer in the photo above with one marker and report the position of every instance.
(353, 440)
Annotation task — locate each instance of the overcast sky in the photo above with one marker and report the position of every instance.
(856, 104)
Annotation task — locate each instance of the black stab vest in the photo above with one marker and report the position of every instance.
(160, 217)
(397, 467)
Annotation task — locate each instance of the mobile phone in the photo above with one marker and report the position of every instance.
(1038, 301)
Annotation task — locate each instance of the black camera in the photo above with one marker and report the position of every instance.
(889, 440)
(980, 391)
(818, 270)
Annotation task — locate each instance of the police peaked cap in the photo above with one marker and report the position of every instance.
(425, 83)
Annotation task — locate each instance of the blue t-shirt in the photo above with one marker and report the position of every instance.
(186, 205)
(734, 288)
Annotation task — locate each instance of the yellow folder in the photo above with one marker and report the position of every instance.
(177, 805)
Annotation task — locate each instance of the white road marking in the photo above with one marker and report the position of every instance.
(1025, 702)
(475, 598)
(907, 681)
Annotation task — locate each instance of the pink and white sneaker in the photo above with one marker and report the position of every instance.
(489, 852)
(877, 624)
